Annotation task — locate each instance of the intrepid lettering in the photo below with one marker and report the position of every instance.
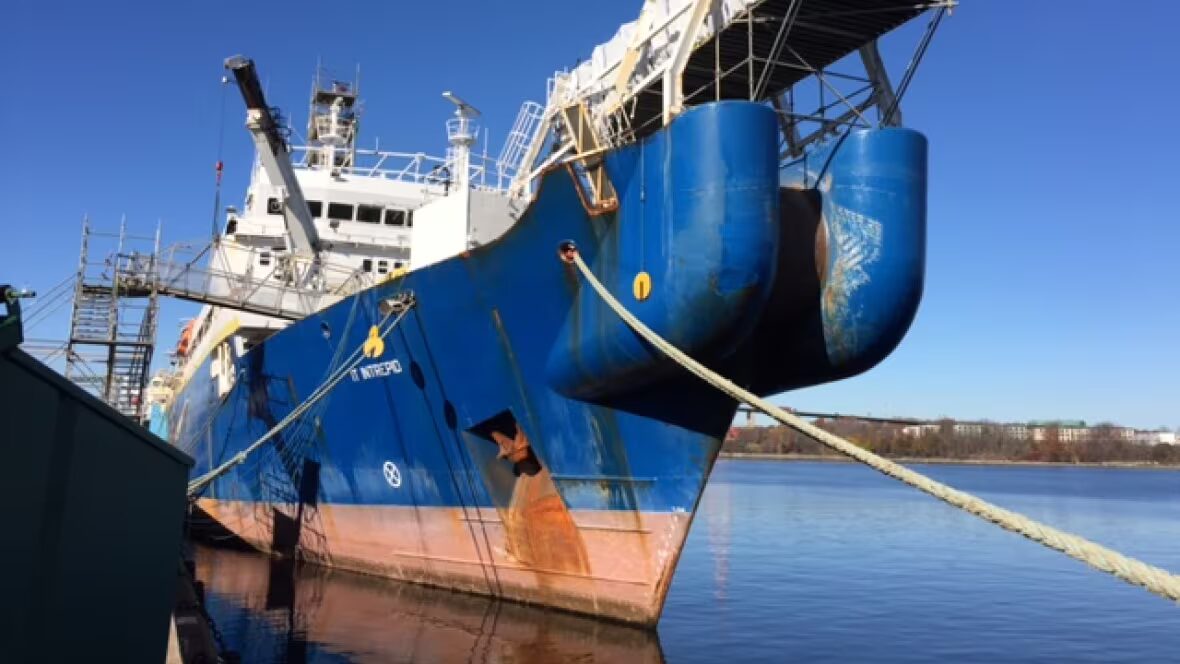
(376, 370)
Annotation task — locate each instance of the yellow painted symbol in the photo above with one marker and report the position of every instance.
(374, 345)
(642, 286)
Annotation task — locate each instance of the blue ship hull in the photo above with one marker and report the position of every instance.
(514, 438)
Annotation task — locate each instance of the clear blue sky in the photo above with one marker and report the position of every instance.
(1052, 283)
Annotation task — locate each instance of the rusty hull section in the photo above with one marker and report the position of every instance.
(618, 565)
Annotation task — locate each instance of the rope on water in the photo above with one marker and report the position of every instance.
(356, 358)
(1155, 579)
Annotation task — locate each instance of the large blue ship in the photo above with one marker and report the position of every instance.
(398, 371)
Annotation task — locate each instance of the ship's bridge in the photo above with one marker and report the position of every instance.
(365, 223)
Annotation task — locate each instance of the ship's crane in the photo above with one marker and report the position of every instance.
(274, 155)
(301, 280)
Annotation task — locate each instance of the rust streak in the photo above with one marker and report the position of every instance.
(540, 531)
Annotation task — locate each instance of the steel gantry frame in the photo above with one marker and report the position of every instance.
(684, 52)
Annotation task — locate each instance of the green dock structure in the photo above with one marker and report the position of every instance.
(94, 509)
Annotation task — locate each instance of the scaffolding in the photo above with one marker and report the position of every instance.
(113, 329)
(116, 292)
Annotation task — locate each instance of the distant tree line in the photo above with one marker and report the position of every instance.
(991, 443)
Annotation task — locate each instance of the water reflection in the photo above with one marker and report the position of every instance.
(716, 510)
(276, 611)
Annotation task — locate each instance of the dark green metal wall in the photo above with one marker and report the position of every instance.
(93, 509)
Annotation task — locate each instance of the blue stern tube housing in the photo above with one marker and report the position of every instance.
(851, 262)
(698, 211)
(779, 277)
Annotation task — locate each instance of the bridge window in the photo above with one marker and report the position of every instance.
(409, 218)
(264, 258)
(370, 214)
(341, 211)
(316, 208)
(382, 267)
(367, 265)
(274, 206)
(395, 217)
(397, 265)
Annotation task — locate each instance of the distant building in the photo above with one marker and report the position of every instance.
(1155, 437)
(1015, 431)
(1060, 424)
(968, 428)
(919, 430)
(1068, 431)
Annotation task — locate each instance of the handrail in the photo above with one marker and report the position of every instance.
(415, 168)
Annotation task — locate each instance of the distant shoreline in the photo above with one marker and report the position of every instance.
(795, 456)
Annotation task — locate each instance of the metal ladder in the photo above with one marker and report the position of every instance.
(528, 119)
(112, 329)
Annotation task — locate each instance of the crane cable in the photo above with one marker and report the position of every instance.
(220, 165)
(1135, 572)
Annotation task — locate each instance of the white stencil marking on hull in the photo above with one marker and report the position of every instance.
(392, 474)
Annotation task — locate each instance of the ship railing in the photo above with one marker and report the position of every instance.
(435, 174)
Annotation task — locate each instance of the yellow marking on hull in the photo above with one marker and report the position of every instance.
(374, 345)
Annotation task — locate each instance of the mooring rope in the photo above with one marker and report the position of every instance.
(1155, 579)
(356, 358)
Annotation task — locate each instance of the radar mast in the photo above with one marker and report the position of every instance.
(332, 121)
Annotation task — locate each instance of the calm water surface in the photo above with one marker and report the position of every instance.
(787, 561)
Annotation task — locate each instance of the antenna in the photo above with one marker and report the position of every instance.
(464, 109)
(461, 134)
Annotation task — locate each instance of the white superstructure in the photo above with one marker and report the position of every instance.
(325, 219)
